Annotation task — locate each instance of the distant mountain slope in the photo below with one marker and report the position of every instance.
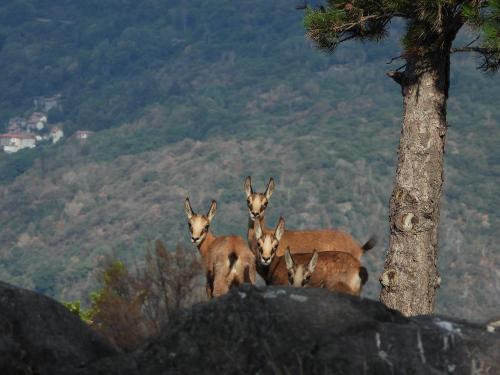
(191, 97)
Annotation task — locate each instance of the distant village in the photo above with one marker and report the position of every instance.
(27, 132)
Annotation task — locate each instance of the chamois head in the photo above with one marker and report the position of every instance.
(257, 202)
(199, 224)
(299, 274)
(267, 243)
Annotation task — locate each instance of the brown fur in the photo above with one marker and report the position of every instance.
(336, 271)
(303, 241)
(231, 263)
(228, 260)
(271, 243)
(306, 241)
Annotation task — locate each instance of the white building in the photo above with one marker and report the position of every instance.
(56, 134)
(13, 142)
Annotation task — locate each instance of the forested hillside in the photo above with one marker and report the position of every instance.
(189, 97)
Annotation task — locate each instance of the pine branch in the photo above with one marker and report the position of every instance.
(481, 50)
(484, 16)
(491, 57)
(395, 58)
(343, 20)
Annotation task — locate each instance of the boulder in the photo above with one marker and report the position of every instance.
(282, 330)
(40, 336)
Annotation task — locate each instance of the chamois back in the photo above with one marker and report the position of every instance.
(334, 270)
(230, 263)
(306, 241)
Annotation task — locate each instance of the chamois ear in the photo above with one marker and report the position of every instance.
(280, 229)
(212, 211)
(269, 188)
(258, 229)
(311, 266)
(188, 209)
(289, 260)
(248, 186)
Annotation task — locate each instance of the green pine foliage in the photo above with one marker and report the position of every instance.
(427, 23)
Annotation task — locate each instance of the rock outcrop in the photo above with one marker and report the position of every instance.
(269, 330)
(279, 330)
(40, 336)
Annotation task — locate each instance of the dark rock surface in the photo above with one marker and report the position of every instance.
(272, 330)
(40, 336)
(279, 330)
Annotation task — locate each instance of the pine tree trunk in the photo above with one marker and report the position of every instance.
(410, 275)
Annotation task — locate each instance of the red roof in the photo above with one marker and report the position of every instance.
(36, 116)
(18, 135)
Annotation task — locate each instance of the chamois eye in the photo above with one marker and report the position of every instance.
(206, 228)
(190, 226)
(265, 205)
(248, 202)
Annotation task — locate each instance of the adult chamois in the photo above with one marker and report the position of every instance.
(228, 260)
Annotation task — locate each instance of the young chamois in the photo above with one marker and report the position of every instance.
(333, 270)
(303, 241)
(227, 259)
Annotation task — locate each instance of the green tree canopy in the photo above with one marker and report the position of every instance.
(426, 28)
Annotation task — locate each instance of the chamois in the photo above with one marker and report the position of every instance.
(227, 259)
(333, 270)
(303, 241)
(338, 271)
(256, 203)
(271, 243)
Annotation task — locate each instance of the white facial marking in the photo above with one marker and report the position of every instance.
(257, 204)
(267, 243)
(298, 276)
(198, 228)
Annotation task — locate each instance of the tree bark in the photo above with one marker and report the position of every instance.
(411, 277)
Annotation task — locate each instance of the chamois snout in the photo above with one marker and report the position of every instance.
(266, 260)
